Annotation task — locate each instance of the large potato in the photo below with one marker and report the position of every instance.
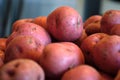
(22, 69)
(65, 24)
(60, 57)
(82, 72)
(106, 54)
(33, 30)
(23, 47)
(109, 19)
(88, 45)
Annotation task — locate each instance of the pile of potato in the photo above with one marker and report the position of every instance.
(61, 46)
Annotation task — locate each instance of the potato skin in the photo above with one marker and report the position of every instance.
(19, 22)
(81, 39)
(106, 54)
(82, 72)
(115, 30)
(23, 47)
(60, 57)
(41, 20)
(109, 19)
(106, 76)
(22, 69)
(65, 24)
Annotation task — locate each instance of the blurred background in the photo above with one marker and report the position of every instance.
(12, 10)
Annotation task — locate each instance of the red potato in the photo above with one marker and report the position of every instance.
(82, 72)
(23, 47)
(106, 54)
(88, 45)
(93, 27)
(65, 24)
(41, 20)
(19, 22)
(60, 57)
(109, 19)
(92, 19)
(33, 30)
(115, 30)
(22, 69)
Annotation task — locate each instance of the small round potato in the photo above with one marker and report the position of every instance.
(22, 69)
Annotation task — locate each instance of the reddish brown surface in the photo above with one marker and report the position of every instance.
(20, 21)
(41, 20)
(82, 72)
(109, 19)
(3, 43)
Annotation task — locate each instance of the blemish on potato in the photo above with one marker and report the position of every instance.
(87, 52)
(17, 64)
(37, 45)
(57, 21)
(97, 21)
(119, 51)
(39, 77)
(104, 56)
(30, 41)
(33, 28)
(11, 73)
(19, 49)
(69, 50)
(78, 22)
